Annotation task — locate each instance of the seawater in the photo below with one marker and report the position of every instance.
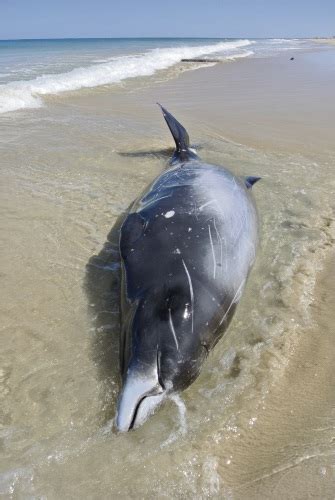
(69, 169)
(30, 69)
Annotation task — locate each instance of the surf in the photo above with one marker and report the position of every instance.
(28, 93)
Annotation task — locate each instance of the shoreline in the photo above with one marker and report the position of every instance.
(258, 102)
(23, 93)
(328, 41)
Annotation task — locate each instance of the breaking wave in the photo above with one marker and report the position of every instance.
(27, 94)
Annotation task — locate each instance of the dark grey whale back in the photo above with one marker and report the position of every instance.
(187, 247)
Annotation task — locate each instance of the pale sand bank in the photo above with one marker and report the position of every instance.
(330, 41)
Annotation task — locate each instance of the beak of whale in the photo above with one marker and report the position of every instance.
(140, 396)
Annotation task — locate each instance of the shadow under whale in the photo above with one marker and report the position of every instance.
(164, 153)
(102, 286)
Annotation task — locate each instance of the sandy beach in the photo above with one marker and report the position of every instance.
(330, 41)
(297, 460)
(259, 421)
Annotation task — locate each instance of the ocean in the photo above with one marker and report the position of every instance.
(30, 69)
(81, 137)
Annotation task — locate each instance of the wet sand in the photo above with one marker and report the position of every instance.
(259, 421)
(329, 41)
(269, 104)
(290, 451)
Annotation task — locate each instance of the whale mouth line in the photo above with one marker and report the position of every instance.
(155, 395)
(132, 423)
(145, 407)
(140, 395)
(136, 410)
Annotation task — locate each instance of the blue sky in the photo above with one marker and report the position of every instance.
(140, 18)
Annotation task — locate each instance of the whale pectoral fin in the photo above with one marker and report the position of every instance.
(131, 230)
(180, 136)
(250, 181)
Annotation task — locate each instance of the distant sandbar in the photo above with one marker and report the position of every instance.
(330, 41)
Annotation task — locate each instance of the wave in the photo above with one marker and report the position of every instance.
(27, 94)
(239, 55)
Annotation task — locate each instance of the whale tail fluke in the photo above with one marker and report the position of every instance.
(183, 151)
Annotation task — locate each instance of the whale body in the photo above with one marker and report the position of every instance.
(187, 247)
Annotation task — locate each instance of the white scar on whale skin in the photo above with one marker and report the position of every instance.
(232, 302)
(191, 288)
(213, 252)
(173, 330)
(151, 202)
(220, 239)
(208, 203)
(169, 214)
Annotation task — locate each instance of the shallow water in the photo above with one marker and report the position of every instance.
(68, 171)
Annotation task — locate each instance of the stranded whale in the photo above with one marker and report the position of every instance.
(187, 246)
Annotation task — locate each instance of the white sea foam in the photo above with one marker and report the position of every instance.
(182, 421)
(27, 94)
(239, 55)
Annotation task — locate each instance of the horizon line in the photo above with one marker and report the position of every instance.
(165, 38)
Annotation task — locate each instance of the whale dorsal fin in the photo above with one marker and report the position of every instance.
(250, 181)
(181, 138)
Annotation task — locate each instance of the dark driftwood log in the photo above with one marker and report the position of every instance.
(201, 60)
